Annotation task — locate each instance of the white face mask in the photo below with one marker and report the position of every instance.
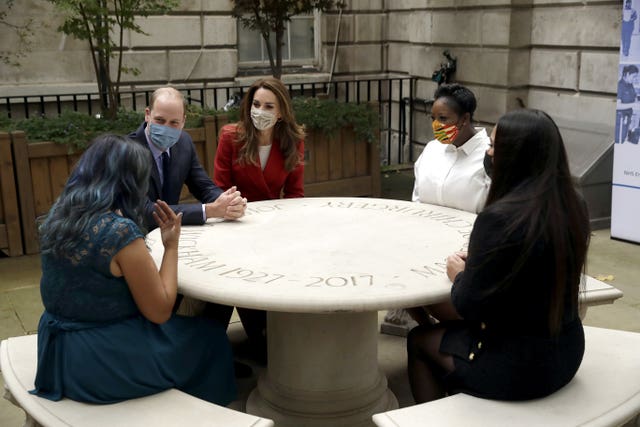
(262, 119)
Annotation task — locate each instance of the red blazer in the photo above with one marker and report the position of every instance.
(254, 183)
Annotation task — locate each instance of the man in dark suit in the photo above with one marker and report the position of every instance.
(177, 164)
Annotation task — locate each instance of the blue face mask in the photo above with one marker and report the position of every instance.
(164, 137)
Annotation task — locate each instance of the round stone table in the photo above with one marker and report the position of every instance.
(322, 268)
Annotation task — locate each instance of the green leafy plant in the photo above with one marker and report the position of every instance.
(326, 116)
(73, 128)
(78, 129)
(329, 116)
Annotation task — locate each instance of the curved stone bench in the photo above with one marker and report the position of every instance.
(604, 392)
(18, 358)
(595, 292)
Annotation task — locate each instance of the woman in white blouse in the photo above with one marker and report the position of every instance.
(450, 170)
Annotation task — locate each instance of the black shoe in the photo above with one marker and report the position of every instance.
(242, 370)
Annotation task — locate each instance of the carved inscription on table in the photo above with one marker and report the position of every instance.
(456, 227)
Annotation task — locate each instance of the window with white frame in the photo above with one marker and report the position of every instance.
(301, 43)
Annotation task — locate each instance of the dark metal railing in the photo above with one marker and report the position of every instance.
(394, 96)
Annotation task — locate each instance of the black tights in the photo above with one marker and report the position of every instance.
(426, 365)
(253, 321)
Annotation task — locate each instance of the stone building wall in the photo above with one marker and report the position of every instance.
(557, 55)
(196, 43)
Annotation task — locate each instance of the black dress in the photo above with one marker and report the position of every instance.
(503, 348)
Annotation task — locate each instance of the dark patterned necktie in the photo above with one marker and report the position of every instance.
(166, 162)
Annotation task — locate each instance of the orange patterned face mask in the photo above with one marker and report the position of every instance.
(444, 133)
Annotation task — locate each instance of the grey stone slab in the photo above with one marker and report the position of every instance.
(356, 58)
(618, 315)
(59, 66)
(549, 26)
(554, 68)
(217, 5)
(153, 66)
(10, 325)
(28, 307)
(186, 65)
(400, 56)
(595, 71)
(18, 272)
(369, 27)
(397, 28)
(190, 5)
(468, 26)
(408, 4)
(483, 66)
(595, 110)
(219, 30)
(365, 4)
(495, 28)
(10, 415)
(330, 26)
(609, 257)
(420, 27)
(168, 31)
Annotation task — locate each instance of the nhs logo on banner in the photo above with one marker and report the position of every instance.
(625, 194)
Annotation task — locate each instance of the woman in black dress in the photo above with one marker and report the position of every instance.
(511, 329)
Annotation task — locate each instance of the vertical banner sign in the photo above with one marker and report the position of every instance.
(625, 192)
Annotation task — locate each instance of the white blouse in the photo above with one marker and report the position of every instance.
(264, 151)
(449, 176)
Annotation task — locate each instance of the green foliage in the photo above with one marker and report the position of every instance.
(23, 30)
(268, 15)
(103, 23)
(329, 116)
(271, 17)
(78, 129)
(195, 114)
(74, 129)
(95, 19)
(5, 123)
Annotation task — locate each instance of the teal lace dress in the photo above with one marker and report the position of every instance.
(95, 346)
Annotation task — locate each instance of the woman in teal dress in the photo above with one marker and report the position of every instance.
(108, 332)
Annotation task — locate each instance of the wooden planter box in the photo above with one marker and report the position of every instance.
(10, 232)
(335, 166)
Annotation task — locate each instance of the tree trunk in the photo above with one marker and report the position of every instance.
(279, 34)
(272, 62)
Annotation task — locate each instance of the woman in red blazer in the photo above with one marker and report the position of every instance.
(262, 155)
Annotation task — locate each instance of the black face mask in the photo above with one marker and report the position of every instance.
(488, 164)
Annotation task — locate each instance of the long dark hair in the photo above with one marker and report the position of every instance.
(532, 184)
(286, 130)
(112, 175)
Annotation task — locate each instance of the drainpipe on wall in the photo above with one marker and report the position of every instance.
(335, 51)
